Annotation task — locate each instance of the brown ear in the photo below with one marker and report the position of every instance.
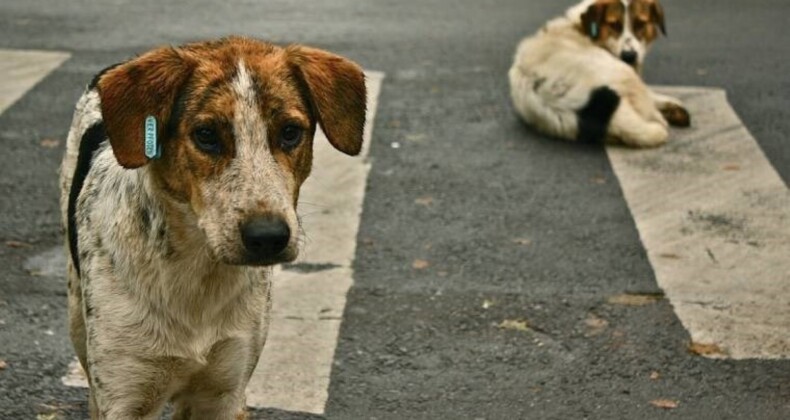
(337, 90)
(146, 85)
(657, 16)
(593, 19)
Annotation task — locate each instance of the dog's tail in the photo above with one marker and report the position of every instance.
(595, 116)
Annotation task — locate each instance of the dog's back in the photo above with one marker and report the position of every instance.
(87, 113)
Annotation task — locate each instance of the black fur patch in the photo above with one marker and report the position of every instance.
(594, 118)
(91, 139)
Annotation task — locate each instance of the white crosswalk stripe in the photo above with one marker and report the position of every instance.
(714, 217)
(23, 69)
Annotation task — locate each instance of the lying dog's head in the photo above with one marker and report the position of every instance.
(236, 119)
(626, 28)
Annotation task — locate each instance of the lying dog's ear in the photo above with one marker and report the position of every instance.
(130, 92)
(603, 19)
(336, 89)
(657, 16)
(593, 19)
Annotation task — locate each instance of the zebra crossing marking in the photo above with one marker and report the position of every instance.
(23, 69)
(714, 217)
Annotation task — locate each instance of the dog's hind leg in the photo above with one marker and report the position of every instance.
(538, 101)
(629, 127)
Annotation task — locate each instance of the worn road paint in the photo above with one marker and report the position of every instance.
(714, 217)
(23, 69)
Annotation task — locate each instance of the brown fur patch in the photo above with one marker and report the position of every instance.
(604, 19)
(337, 90)
(130, 92)
(647, 18)
(207, 101)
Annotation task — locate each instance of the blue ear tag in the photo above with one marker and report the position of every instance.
(153, 150)
(594, 30)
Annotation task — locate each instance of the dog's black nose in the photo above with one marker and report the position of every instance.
(265, 236)
(629, 57)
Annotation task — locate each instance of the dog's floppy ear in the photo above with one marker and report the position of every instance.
(130, 92)
(336, 89)
(657, 16)
(593, 19)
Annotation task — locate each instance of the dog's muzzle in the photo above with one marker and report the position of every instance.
(265, 238)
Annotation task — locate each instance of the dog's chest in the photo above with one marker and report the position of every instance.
(147, 289)
(172, 308)
(226, 306)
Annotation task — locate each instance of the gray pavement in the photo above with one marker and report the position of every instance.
(513, 226)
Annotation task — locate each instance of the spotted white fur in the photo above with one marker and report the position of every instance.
(127, 287)
(169, 280)
(252, 174)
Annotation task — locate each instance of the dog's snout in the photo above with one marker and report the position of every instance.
(265, 237)
(629, 57)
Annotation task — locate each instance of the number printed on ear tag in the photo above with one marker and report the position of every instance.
(153, 150)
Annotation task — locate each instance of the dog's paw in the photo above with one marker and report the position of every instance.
(676, 115)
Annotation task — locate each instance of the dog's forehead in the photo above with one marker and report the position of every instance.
(241, 70)
(262, 62)
(641, 7)
(614, 9)
(634, 6)
(610, 3)
(242, 84)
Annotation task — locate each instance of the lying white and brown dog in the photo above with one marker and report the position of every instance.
(578, 78)
(179, 189)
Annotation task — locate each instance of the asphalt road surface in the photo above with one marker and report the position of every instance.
(498, 274)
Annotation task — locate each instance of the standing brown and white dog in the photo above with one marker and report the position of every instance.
(171, 247)
(578, 78)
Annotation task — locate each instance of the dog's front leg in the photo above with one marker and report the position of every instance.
(125, 387)
(672, 109)
(220, 406)
(217, 391)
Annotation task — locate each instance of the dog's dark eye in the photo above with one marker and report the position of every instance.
(290, 136)
(207, 140)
